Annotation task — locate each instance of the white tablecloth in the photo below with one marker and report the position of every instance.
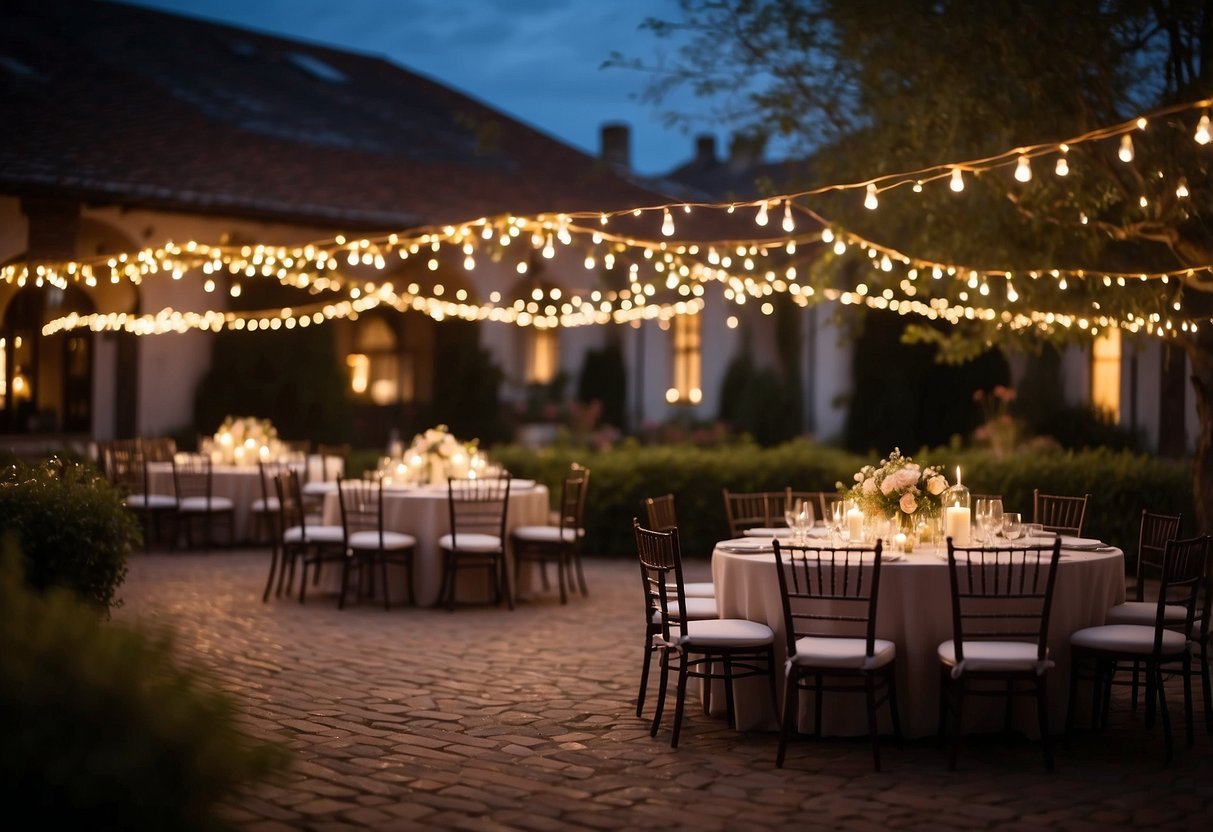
(914, 610)
(423, 513)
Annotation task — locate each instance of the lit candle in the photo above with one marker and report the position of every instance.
(899, 542)
(956, 524)
(855, 524)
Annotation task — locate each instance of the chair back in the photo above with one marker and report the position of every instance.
(1001, 593)
(158, 448)
(1061, 514)
(192, 476)
(361, 505)
(290, 500)
(1156, 530)
(572, 500)
(661, 575)
(1185, 576)
(327, 463)
(125, 466)
(816, 499)
(267, 474)
(660, 511)
(828, 592)
(753, 510)
(478, 505)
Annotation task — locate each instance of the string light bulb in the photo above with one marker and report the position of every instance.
(1063, 167)
(1181, 190)
(1023, 169)
(789, 223)
(869, 201)
(667, 224)
(761, 217)
(958, 183)
(1202, 130)
(1126, 148)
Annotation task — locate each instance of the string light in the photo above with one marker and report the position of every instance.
(958, 183)
(869, 201)
(667, 224)
(1181, 190)
(1063, 167)
(761, 217)
(1126, 148)
(1023, 169)
(789, 223)
(1202, 130)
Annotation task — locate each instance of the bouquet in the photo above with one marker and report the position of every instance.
(899, 488)
(436, 454)
(245, 440)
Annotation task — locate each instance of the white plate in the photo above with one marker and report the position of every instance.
(521, 485)
(746, 546)
(780, 532)
(1080, 543)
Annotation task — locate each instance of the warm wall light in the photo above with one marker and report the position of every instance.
(360, 372)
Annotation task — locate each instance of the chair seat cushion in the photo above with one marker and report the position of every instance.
(369, 539)
(1128, 638)
(814, 651)
(315, 534)
(1144, 612)
(728, 632)
(992, 656)
(699, 589)
(150, 501)
(698, 609)
(203, 504)
(261, 505)
(471, 543)
(543, 534)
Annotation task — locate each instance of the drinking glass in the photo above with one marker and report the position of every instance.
(994, 517)
(838, 520)
(791, 516)
(1012, 525)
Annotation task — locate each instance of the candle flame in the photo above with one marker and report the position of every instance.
(958, 475)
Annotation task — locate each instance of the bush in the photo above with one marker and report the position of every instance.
(1121, 483)
(71, 525)
(103, 729)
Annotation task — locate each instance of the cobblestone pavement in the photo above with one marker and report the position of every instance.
(487, 719)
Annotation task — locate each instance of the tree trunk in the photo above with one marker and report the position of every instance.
(1200, 351)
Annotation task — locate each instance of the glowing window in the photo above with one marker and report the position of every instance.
(687, 357)
(1105, 373)
(543, 356)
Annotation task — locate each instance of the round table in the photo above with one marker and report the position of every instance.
(914, 610)
(423, 513)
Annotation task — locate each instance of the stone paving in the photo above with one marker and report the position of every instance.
(487, 719)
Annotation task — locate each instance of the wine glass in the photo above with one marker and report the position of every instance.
(994, 517)
(838, 519)
(804, 518)
(791, 516)
(1012, 525)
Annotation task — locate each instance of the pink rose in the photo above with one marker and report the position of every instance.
(908, 504)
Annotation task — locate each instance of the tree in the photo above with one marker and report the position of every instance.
(874, 87)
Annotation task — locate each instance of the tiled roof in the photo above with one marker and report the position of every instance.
(118, 104)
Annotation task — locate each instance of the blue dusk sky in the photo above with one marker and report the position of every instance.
(537, 60)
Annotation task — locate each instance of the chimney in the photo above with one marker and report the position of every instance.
(745, 151)
(705, 149)
(617, 145)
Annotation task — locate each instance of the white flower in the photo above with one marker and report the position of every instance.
(869, 486)
(907, 503)
(936, 485)
(859, 476)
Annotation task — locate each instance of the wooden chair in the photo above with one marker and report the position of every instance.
(267, 516)
(829, 617)
(1001, 601)
(196, 501)
(1064, 515)
(368, 545)
(125, 466)
(661, 515)
(560, 543)
(753, 510)
(692, 648)
(310, 544)
(1157, 646)
(477, 512)
(1155, 531)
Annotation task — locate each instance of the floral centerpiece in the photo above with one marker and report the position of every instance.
(244, 440)
(898, 488)
(435, 455)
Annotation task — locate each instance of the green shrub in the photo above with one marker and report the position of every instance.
(1121, 484)
(102, 729)
(71, 526)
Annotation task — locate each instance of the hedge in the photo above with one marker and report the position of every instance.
(1121, 484)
